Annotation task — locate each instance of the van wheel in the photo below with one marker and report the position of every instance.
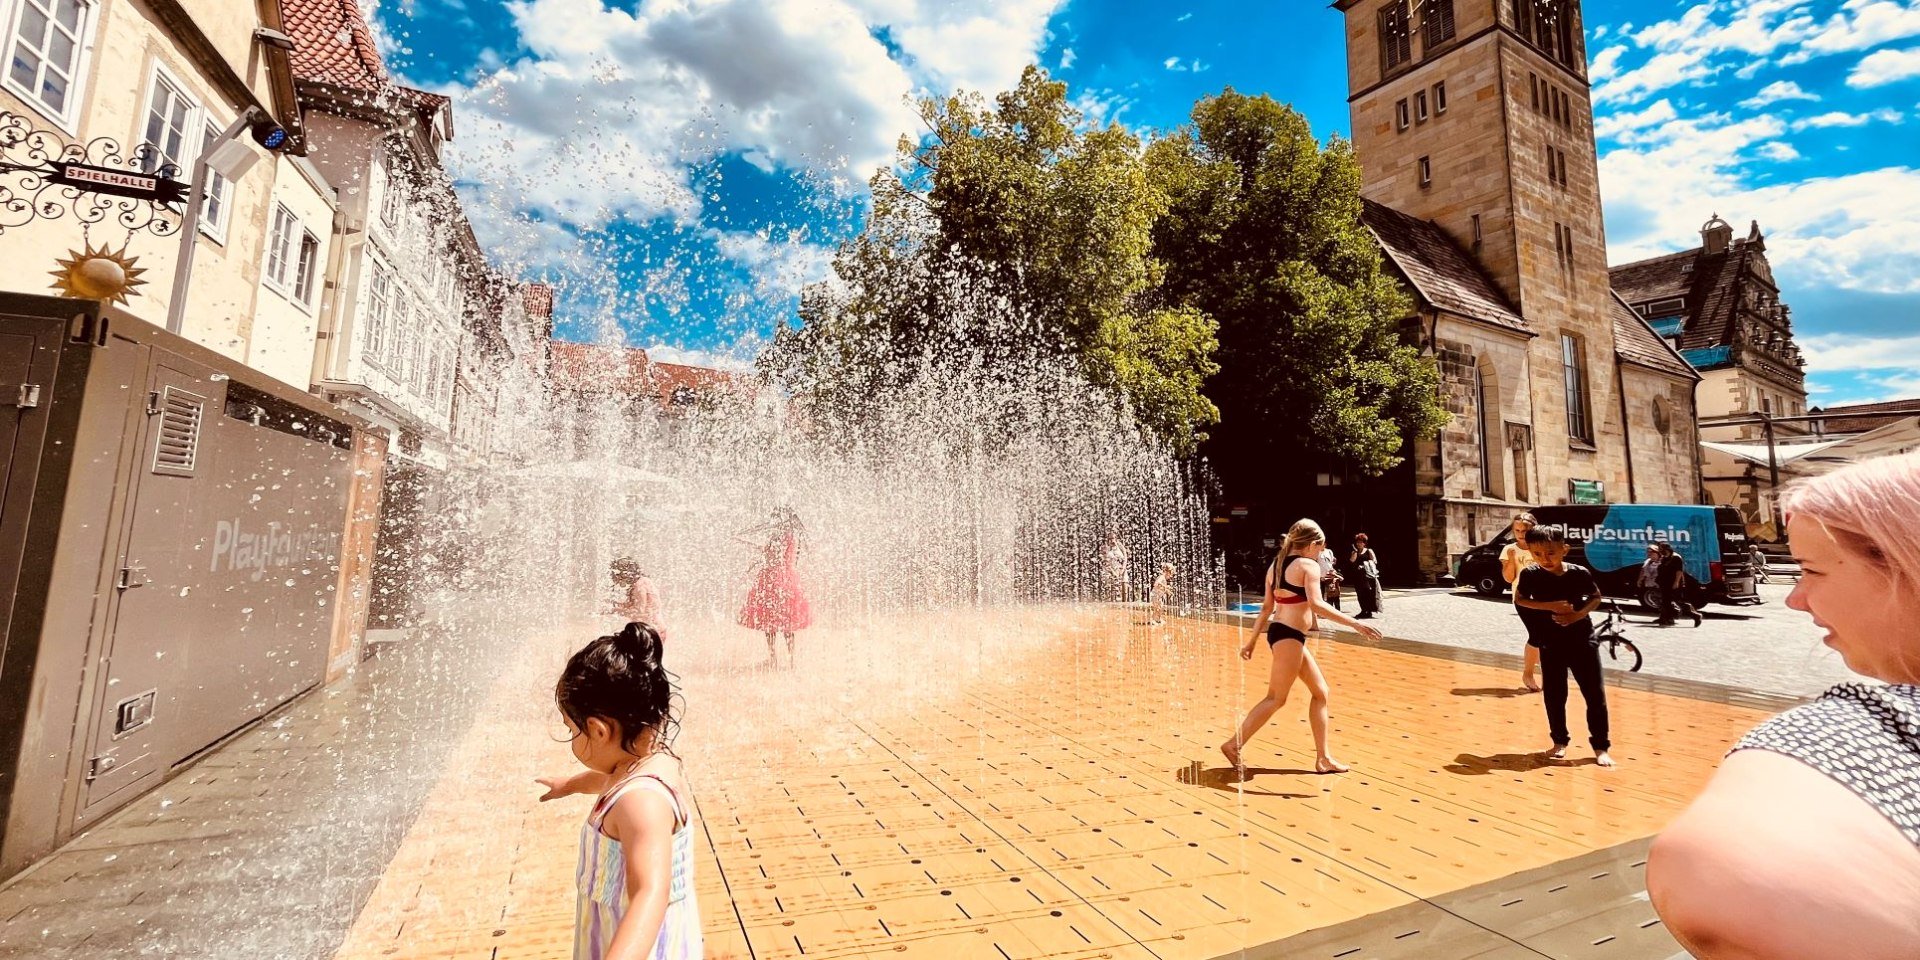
(1489, 586)
(1649, 599)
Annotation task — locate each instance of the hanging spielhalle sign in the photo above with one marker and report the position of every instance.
(119, 182)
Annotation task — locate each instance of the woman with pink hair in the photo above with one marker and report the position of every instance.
(1806, 844)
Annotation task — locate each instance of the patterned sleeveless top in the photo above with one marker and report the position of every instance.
(602, 878)
(1864, 736)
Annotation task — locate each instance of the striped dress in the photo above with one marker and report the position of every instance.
(602, 879)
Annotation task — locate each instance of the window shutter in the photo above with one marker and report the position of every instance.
(178, 450)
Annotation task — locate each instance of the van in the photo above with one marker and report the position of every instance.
(1612, 539)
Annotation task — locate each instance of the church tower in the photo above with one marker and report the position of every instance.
(1475, 116)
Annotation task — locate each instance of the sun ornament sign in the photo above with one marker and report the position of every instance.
(99, 274)
(98, 184)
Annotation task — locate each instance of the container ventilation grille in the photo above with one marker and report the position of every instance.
(181, 415)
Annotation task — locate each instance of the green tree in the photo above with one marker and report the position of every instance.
(1007, 234)
(1263, 234)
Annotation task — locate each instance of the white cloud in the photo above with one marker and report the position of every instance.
(1185, 66)
(1616, 125)
(1779, 150)
(1183, 18)
(979, 45)
(779, 267)
(1775, 92)
(1882, 67)
(1846, 353)
(1861, 25)
(1101, 107)
(661, 352)
(1605, 64)
(1749, 36)
(1067, 57)
(1660, 72)
(1171, 63)
(1838, 118)
(1858, 231)
(611, 104)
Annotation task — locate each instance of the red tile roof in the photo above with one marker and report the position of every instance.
(537, 300)
(592, 368)
(332, 45)
(587, 369)
(1864, 424)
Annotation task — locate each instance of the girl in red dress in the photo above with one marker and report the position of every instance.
(776, 604)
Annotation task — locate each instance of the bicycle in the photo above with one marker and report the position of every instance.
(1608, 634)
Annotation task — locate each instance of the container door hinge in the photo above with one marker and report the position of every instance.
(131, 577)
(98, 767)
(153, 403)
(29, 396)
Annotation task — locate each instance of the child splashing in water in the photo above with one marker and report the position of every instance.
(636, 848)
(1160, 596)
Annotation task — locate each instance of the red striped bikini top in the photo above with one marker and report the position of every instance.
(1280, 583)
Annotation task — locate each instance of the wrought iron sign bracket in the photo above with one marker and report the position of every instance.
(45, 177)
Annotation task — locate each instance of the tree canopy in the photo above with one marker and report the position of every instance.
(1009, 234)
(1223, 264)
(1263, 234)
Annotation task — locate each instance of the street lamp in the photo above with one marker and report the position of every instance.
(231, 158)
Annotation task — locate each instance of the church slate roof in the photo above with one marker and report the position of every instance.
(1444, 275)
(1635, 342)
(1710, 283)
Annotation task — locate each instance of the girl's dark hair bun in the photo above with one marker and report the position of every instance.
(641, 643)
(621, 677)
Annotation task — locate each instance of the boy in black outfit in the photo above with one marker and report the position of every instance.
(1555, 600)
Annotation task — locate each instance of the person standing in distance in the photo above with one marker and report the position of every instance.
(1513, 559)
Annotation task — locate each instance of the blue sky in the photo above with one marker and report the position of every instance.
(681, 167)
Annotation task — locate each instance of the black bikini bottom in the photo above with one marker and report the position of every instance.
(1277, 632)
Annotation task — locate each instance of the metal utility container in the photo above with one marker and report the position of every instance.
(183, 548)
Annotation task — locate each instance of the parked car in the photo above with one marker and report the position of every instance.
(1612, 540)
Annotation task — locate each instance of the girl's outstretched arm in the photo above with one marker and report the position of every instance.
(586, 781)
(1321, 608)
(642, 820)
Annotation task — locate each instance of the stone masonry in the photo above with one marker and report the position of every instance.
(1473, 116)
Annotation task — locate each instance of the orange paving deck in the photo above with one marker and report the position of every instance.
(1061, 799)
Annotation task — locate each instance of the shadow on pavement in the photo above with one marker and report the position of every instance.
(1468, 765)
(1498, 693)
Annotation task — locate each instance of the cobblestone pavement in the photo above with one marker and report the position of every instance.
(1767, 647)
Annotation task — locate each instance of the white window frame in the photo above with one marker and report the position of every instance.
(418, 351)
(391, 211)
(68, 120)
(219, 197)
(306, 264)
(199, 119)
(378, 320)
(189, 145)
(394, 361)
(281, 228)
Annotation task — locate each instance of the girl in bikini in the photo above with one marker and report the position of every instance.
(635, 872)
(1291, 608)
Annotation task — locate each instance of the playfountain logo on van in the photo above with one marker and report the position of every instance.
(1678, 536)
(256, 551)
